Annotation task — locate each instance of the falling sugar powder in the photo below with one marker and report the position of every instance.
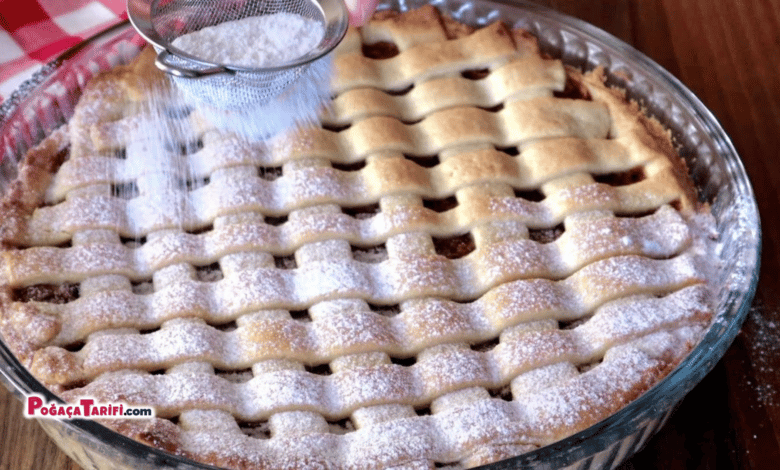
(260, 103)
(254, 42)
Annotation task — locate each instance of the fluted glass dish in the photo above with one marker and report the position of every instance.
(48, 99)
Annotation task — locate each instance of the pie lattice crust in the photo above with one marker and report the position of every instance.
(478, 252)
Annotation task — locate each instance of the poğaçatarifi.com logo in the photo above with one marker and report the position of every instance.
(37, 407)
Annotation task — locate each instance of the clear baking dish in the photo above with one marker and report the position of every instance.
(47, 100)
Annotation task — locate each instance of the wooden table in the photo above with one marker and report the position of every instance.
(728, 53)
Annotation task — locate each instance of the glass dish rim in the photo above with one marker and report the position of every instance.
(691, 370)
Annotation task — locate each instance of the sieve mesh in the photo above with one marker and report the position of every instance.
(235, 89)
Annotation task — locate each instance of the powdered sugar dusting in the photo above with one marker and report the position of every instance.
(536, 418)
(254, 42)
(763, 328)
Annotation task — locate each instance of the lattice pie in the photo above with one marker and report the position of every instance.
(478, 252)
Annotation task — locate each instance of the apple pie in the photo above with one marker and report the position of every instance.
(477, 252)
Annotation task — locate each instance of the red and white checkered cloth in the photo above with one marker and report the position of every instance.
(33, 32)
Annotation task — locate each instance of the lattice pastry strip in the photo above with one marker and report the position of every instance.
(144, 125)
(424, 25)
(113, 95)
(285, 186)
(490, 46)
(521, 78)
(517, 123)
(143, 214)
(108, 256)
(76, 319)
(267, 339)
(640, 134)
(26, 192)
(448, 436)
(137, 127)
(219, 151)
(492, 265)
(438, 370)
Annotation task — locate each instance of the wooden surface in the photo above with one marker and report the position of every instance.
(728, 53)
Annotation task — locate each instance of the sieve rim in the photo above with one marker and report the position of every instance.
(336, 24)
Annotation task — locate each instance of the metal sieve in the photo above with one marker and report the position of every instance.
(229, 86)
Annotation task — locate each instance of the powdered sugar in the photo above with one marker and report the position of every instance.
(762, 327)
(254, 42)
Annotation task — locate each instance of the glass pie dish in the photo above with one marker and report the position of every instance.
(48, 100)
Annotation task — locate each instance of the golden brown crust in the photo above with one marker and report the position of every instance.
(27, 192)
(633, 125)
(132, 82)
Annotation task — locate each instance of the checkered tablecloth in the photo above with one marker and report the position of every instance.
(33, 32)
